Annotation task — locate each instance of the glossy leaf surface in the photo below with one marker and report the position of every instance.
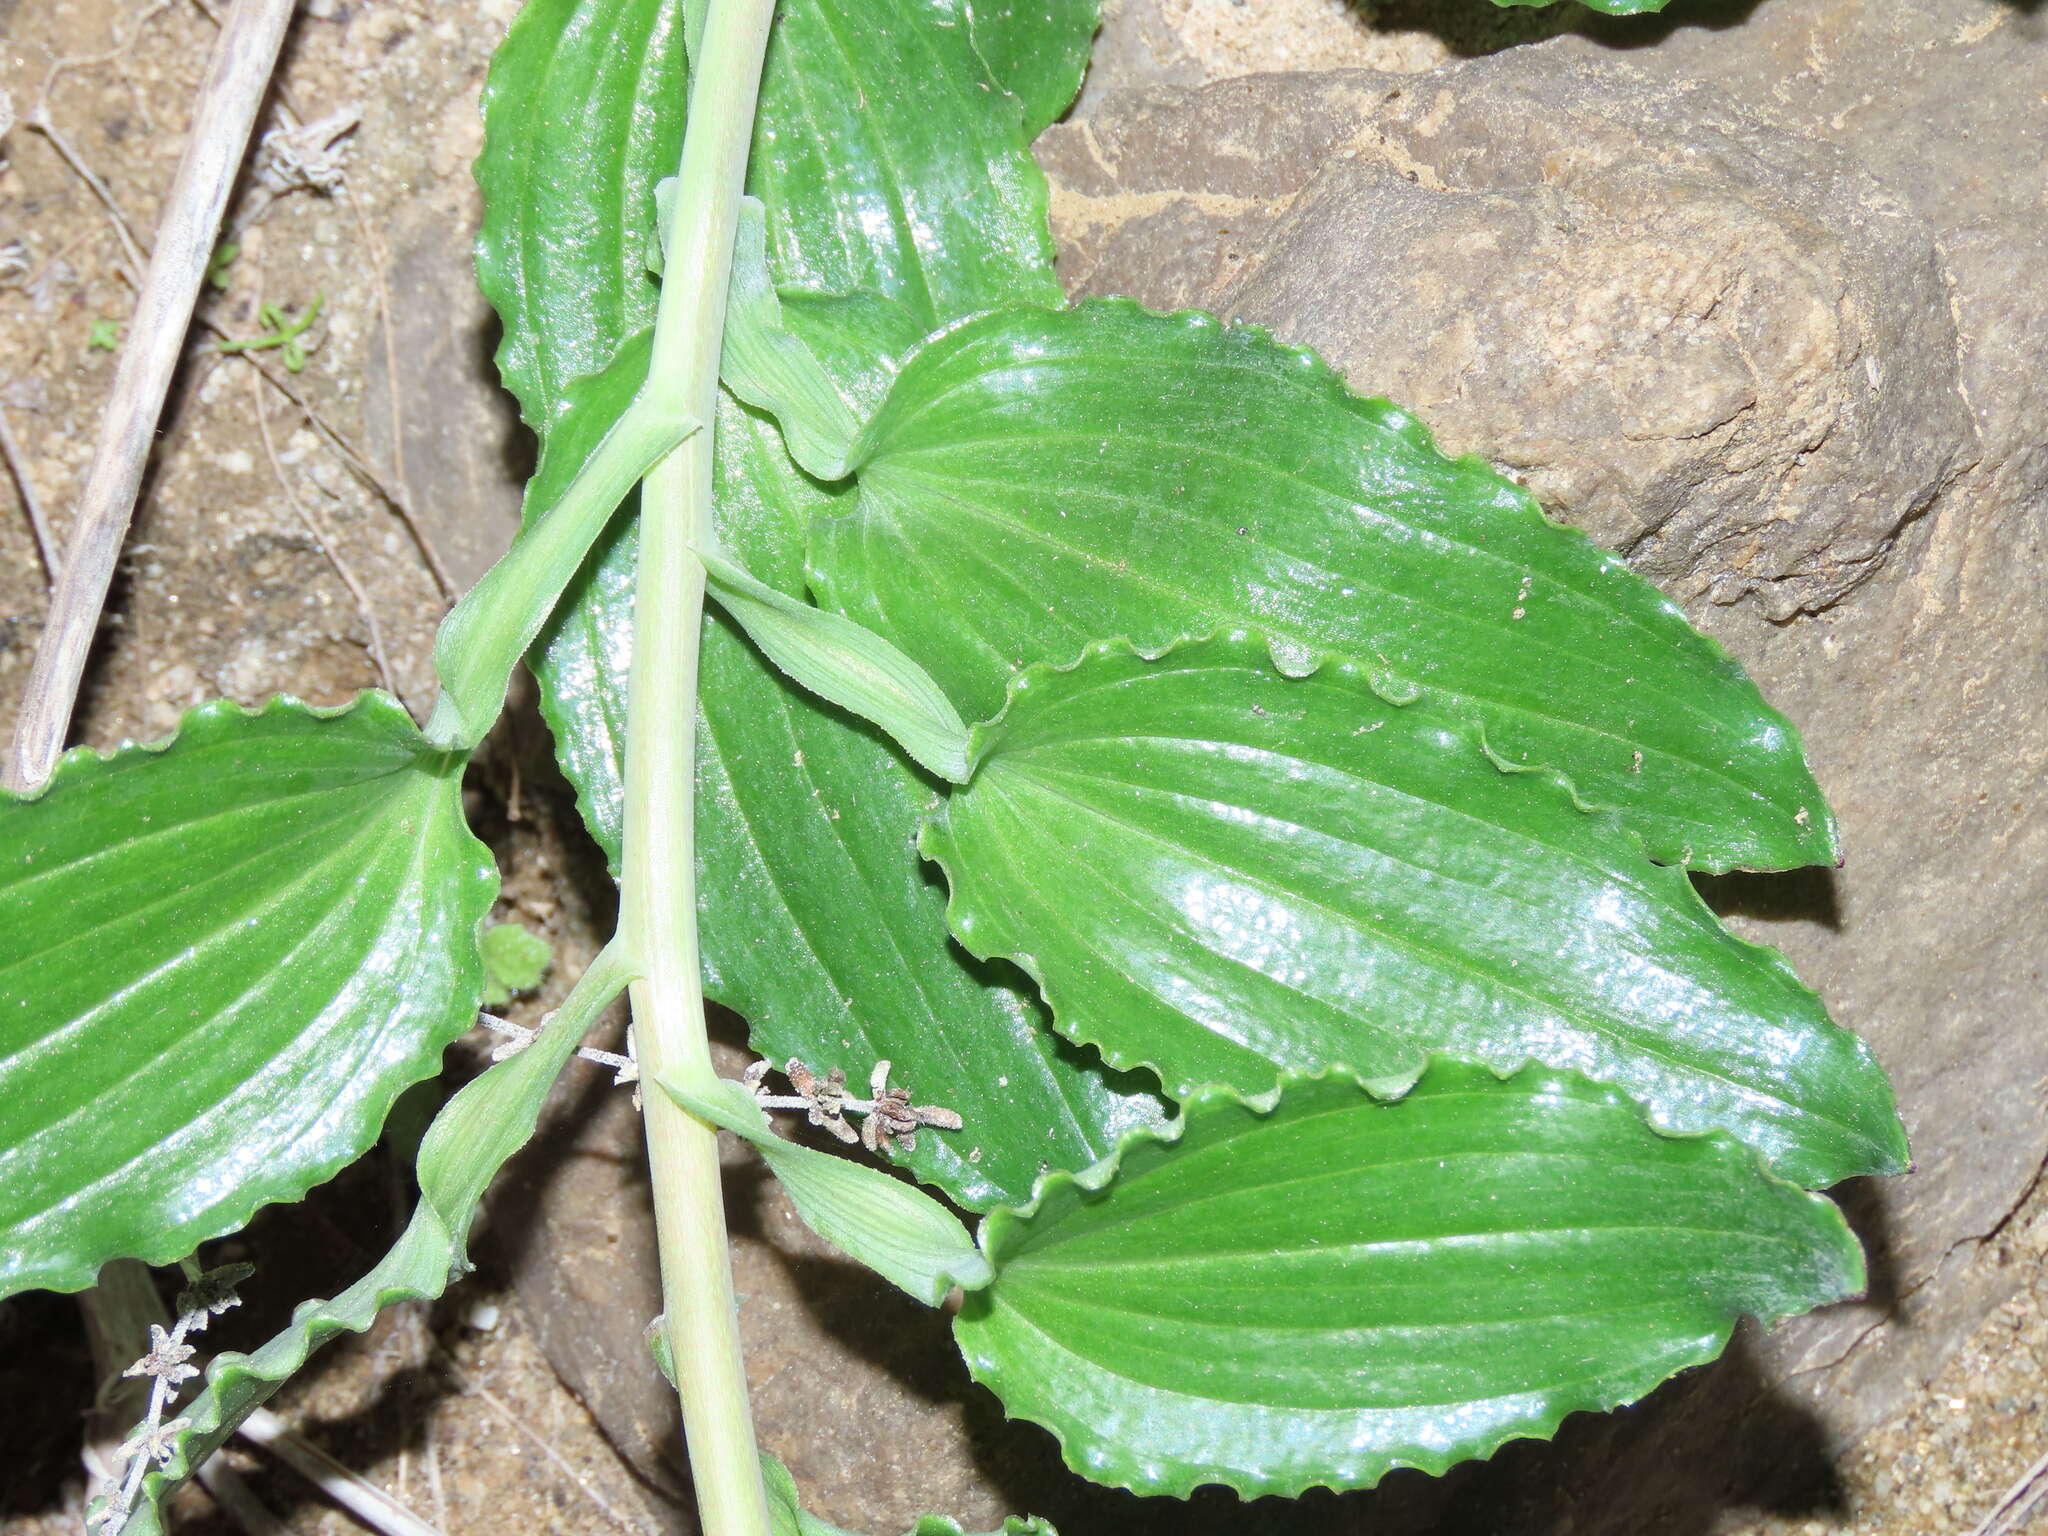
(1257, 872)
(824, 930)
(774, 368)
(1037, 50)
(226, 956)
(583, 114)
(1316, 1293)
(847, 666)
(1041, 479)
(890, 161)
(894, 1228)
(805, 816)
(469, 1141)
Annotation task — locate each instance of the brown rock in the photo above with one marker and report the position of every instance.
(1814, 376)
(1786, 351)
(1721, 348)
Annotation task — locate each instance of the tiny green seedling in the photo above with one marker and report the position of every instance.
(219, 267)
(1337, 801)
(104, 336)
(281, 331)
(516, 960)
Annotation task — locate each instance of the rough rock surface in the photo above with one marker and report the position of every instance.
(1813, 375)
(1781, 339)
(1721, 348)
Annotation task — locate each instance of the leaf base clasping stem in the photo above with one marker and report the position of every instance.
(658, 906)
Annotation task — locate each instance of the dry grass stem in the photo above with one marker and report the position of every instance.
(360, 1497)
(24, 487)
(322, 536)
(237, 77)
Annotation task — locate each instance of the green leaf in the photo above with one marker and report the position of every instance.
(583, 114)
(895, 1229)
(515, 961)
(600, 446)
(787, 1516)
(1259, 872)
(846, 665)
(1039, 479)
(1313, 1294)
(770, 366)
(1037, 50)
(469, 1141)
(805, 815)
(891, 161)
(226, 956)
(885, 157)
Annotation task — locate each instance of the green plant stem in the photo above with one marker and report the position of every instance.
(486, 634)
(658, 904)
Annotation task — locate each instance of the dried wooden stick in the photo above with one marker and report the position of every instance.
(236, 79)
(360, 1497)
(2022, 1500)
(38, 524)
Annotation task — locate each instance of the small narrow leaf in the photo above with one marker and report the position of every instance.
(605, 440)
(1315, 1293)
(860, 339)
(846, 665)
(469, 1141)
(1039, 479)
(774, 369)
(1257, 872)
(226, 956)
(806, 817)
(897, 1230)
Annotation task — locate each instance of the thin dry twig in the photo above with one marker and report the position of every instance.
(350, 455)
(395, 499)
(360, 1497)
(471, 1387)
(39, 120)
(381, 267)
(325, 539)
(224, 1484)
(237, 77)
(25, 488)
(59, 67)
(2011, 1514)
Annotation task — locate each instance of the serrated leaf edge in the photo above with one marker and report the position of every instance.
(1084, 1454)
(934, 842)
(81, 761)
(197, 723)
(1383, 413)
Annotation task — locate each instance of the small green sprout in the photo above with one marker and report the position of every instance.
(105, 336)
(515, 961)
(224, 254)
(283, 332)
